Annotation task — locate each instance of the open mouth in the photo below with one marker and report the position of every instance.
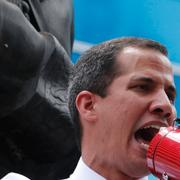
(146, 134)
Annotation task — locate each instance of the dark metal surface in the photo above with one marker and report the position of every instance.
(36, 133)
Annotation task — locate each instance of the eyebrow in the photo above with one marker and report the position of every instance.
(143, 79)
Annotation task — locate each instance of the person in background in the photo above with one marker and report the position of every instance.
(121, 92)
(14, 176)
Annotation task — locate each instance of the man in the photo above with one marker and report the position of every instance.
(121, 92)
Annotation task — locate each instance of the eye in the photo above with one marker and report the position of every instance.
(171, 97)
(142, 87)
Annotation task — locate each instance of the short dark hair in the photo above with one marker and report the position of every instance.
(96, 69)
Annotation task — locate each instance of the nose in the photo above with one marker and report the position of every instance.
(162, 107)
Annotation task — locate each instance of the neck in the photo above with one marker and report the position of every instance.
(109, 173)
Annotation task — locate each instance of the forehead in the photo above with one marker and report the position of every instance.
(135, 59)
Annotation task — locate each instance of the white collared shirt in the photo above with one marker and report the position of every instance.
(14, 176)
(83, 172)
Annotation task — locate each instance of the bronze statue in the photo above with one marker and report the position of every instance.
(36, 133)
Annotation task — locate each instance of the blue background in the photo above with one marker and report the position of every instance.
(100, 20)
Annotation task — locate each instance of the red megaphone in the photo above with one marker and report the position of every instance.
(163, 156)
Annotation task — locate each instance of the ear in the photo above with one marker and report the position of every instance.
(85, 102)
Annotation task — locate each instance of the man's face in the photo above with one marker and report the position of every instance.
(138, 103)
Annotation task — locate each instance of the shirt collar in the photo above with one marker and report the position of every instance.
(82, 171)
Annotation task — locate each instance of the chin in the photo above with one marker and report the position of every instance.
(139, 169)
(139, 174)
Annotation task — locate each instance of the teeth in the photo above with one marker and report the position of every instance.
(152, 126)
(144, 146)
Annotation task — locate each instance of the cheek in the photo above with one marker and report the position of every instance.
(174, 112)
(121, 112)
(134, 107)
(174, 116)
